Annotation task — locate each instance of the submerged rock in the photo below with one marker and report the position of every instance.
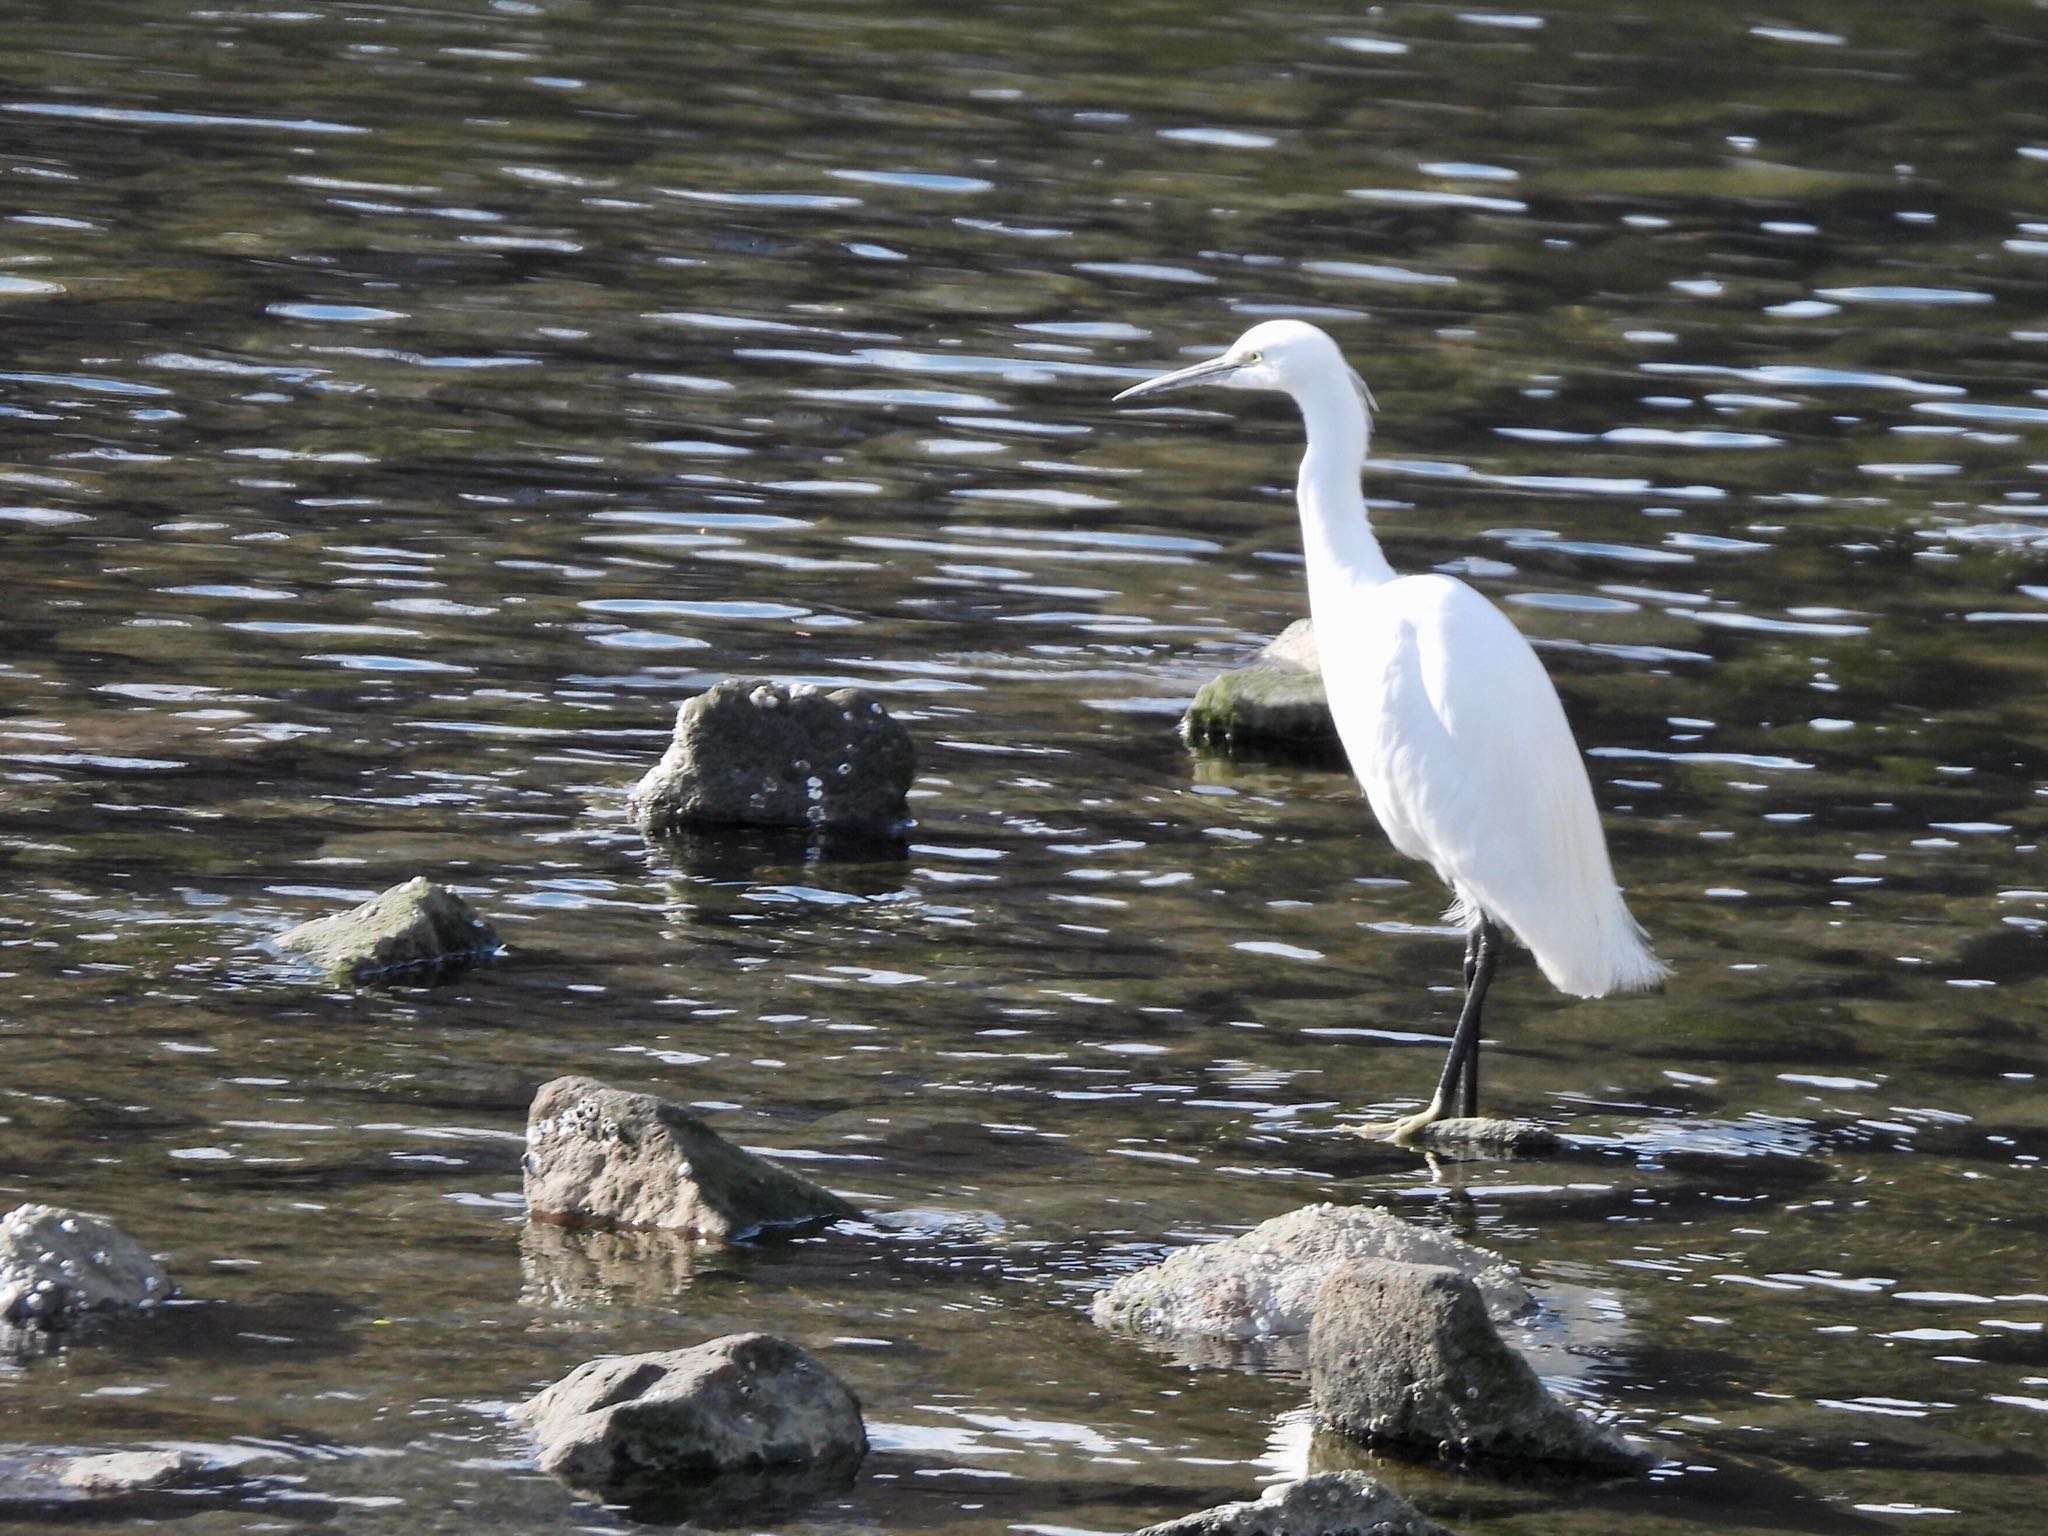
(1264, 1284)
(116, 1472)
(599, 1156)
(1483, 1136)
(56, 1263)
(629, 1427)
(1275, 699)
(753, 753)
(1800, 1435)
(1401, 1356)
(47, 1489)
(415, 926)
(1327, 1504)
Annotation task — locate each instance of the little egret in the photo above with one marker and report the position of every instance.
(1448, 719)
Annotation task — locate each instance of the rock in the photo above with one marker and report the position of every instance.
(56, 1263)
(415, 925)
(598, 1156)
(628, 1426)
(1402, 1356)
(1327, 1504)
(1488, 1138)
(47, 1489)
(1265, 1283)
(1275, 699)
(759, 754)
(1820, 1438)
(119, 1472)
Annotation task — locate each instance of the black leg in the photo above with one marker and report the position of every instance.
(1468, 1083)
(1471, 1080)
(1461, 1067)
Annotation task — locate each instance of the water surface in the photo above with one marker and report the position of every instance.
(403, 407)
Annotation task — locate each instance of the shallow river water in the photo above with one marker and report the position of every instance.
(403, 406)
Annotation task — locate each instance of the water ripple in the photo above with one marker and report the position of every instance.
(1375, 272)
(1418, 198)
(2017, 415)
(1806, 373)
(1155, 271)
(921, 181)
(1697, 437)
(819, 202)
(141, 117)
(1220, 138)
(1905, 294)
(1372, 45)
(1724, 619)
(91, 384)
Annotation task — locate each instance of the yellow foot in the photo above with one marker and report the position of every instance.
(1403, 1132)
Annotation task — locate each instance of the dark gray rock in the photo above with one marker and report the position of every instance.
(753, 753)
(1401, 1356)
(1484, 1137)
(415, 926)
(1264, 1284)
(118, 1472)
(1275, 699)
(629, 1426)
(598, 1156)
(56, 1263)
(1327, 1504)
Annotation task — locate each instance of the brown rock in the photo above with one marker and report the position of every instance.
(1264, 1283)
(1402, 1356)
(742, 1403)
(1485, 1137)
(599, 1156)
(132, 1472)
(417, 925)
(1327, 1504)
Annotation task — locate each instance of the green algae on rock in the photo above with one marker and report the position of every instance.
(1274, 700)
(414, 926)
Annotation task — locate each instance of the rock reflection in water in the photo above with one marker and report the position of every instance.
(581, 1268)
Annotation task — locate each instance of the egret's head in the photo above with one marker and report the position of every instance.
(1290, 356)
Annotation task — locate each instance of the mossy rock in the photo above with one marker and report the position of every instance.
(1275, 701)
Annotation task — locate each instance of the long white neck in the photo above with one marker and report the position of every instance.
(1336, 535)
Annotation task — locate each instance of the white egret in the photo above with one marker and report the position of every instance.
(1448, 719)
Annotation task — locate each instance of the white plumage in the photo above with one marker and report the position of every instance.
(1446, 715)
(1453, 728)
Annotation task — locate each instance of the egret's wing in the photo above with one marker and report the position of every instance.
(1471, 765)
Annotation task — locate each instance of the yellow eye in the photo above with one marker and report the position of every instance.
(1253, 357)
